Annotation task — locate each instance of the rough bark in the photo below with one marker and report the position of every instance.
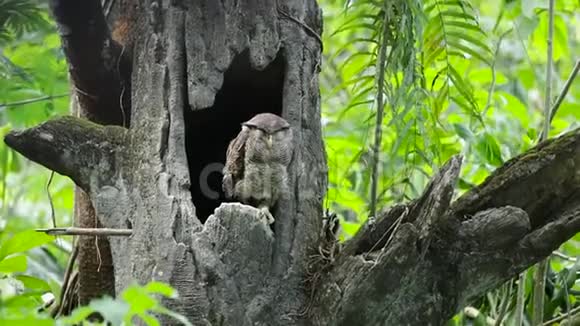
(99, 69)
(201, 68)
(182, 52)
(423, 261)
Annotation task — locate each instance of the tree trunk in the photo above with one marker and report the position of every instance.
(199, 69)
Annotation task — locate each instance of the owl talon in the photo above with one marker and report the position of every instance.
(267, 215)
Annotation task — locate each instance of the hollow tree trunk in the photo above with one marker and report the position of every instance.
(199, 69)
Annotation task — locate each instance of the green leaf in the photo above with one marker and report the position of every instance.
(462, 131)
(112, 310)
(433, 55)
(33, 283)
(465, 26)
(560, 41)
(515, 107)
(532, 133)
(149, 319)
(13, 264)
(472, 52)
(464, 184)
(466, 37)
(454, 13)
(26, 321)
(24, 241)
(489, 149)
(350, 228)
(139, 300)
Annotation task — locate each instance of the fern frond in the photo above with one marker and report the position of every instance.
(9, 70)
(453, 33)
(18, 17)
(397, 71)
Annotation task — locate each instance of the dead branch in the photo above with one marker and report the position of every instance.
(73, 147)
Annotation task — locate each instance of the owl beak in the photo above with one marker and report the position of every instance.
(269, 140)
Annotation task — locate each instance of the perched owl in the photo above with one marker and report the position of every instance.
(255, 172)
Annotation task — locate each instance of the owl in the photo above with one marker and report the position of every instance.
(256, 169)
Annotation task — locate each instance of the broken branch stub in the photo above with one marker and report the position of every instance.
(421, 262)
(426, 212)
(82, 150)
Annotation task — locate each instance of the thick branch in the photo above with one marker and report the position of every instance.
(98, 65)
(544, 186)
(390, 275)
(539, 181)
(79, 149)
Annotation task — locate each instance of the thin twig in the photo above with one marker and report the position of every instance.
(563, 256)
(567, 296)
(474, 313)
(52, 215)
(48, 183)
(107, 10)
(564, 91)
(87, 231)
(505, 301)
(65, 283)
(493, 78)
(542, 269)
(550, 58)
(97, 248)
(87, 94)
(32, 100)
(562, 317)
(520, 300)
(563, 94)
(380, 110)
(122, 81)
(394, 227)
(69, 293)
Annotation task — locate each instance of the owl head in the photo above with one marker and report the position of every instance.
(267, 122)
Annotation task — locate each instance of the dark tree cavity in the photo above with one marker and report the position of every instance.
(245, 92)
(199, 69)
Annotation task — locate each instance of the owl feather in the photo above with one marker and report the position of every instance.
(255, 171)
(234, 167)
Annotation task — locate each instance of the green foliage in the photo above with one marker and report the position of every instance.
(20, 294)
(136, 302)
(18, 17)
(31, 66)
(452, 36)
(23, 241)
(461, 77)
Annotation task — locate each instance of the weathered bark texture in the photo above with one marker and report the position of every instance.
(182, 52)
(200, 68)
(230, 270)
(99, 69)
(423, 261)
